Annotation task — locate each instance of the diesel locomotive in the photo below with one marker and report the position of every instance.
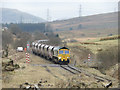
(57, 54)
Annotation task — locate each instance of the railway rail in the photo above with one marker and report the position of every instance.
(107, 82)
(75, 70)
(72, 69)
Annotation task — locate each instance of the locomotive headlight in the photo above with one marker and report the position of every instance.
(59, 57)
(68, 57)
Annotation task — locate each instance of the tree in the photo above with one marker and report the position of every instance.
(79, 26)
(38, 36)
(48, 28)
(14, 29)
(71, 28)
(22, 42)
(6, 39)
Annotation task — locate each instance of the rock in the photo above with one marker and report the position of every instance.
(26, 85)
(23, 67)
(99, 49)
(36, 86)
(9, 68)
(16, 66)
(32, 86)
(40, 81)
(20, 85)
(48, 84)
(107, 84)
(45, 81)
(39, 84)
(8, 65)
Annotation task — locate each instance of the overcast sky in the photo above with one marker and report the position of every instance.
(62, 9)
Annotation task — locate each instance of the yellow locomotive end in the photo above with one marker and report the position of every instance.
(64, 55)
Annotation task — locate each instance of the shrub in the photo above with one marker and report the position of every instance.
(79, 26)
(107, 58)
(70, 28)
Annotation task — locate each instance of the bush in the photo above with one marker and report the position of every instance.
(6, 39)
(14, 29)
(73, 40)
(70, 28)
(22, 42)
(107, 58)
(79, 26)
(82, 35)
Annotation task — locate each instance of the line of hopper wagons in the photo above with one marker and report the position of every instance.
(60, 55)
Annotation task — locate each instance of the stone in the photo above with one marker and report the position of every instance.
(39, 84)
(45, 81)
(9, 68)
(99, 49)
(107, 84)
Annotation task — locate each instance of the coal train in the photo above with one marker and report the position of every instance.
(57, 54)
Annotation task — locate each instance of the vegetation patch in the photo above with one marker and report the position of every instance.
(89, 43)
(107, 58)
(110, 38)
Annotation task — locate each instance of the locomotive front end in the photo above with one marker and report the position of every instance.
(64, 55)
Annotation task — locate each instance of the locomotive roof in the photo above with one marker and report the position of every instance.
(58, 48)
(63, 48)
(43, 40)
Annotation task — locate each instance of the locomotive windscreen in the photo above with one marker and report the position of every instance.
(66, 52)
(61, 52)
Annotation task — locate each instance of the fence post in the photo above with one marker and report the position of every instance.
(88, 57)
(26, 58)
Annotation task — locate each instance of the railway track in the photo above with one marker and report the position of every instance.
(107, 82)
(75, 70)
(70, 68)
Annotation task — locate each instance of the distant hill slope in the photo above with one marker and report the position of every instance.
(100, 25)
(100, 21)
(16, 16)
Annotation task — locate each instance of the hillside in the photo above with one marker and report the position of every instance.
(87, 26)
(16, 16)
(100, 21)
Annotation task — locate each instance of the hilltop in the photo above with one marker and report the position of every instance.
(16, 16)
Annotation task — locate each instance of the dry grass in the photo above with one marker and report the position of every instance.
(79, 54)
(105, 52)
(84, 33)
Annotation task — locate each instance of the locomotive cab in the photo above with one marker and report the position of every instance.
(64, 55)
